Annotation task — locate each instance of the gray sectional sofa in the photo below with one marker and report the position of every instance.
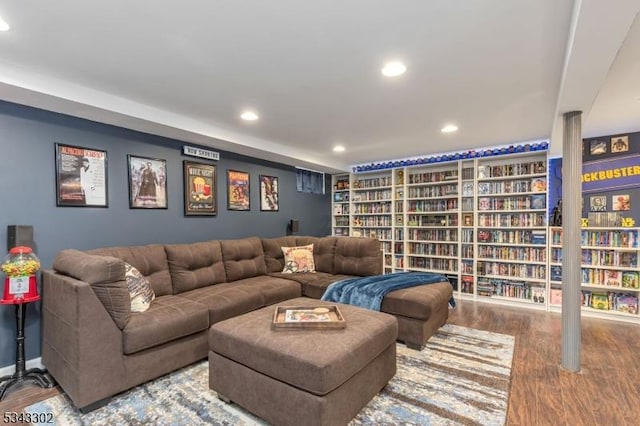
(95, 347)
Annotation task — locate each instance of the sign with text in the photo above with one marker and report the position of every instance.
(612, 173)
(200, 152)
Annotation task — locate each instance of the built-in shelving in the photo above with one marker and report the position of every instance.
(512, 229)
(610, 281)
(482, 222)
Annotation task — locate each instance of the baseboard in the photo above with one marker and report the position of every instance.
(31, 363)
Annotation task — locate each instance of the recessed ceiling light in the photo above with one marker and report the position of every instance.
(3, 25)
(249, 116)
(449, 128)
(393, 69)
(338, 148)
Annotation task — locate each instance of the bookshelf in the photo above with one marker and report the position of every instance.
(481, 222)
(609, 265)
(372, 208)
(431, 204)
(395, 259)
(340, 204)
(467, 285)
(511, 243)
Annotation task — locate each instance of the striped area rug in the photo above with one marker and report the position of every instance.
(461, 377)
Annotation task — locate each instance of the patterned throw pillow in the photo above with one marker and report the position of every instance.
(298, 259)
(140, 289)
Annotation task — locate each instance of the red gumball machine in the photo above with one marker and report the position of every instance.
(20, 288)
(20, 284)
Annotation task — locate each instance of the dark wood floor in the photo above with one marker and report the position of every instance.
(605, 392)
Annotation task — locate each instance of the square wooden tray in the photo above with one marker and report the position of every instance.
(308, 317)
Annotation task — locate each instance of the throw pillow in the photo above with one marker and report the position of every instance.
(298, 259)
(140, 289)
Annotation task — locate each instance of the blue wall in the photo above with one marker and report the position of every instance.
(27, 197)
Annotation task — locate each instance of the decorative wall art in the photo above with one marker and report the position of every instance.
(147, 183)
(238, 190)
(620, 144)
(269, 193)
(81, 176)
(199, 189)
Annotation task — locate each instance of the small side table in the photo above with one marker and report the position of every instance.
(22, 375)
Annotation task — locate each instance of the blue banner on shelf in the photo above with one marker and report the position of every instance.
(511, 149)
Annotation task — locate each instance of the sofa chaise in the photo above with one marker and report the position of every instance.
(95, 347)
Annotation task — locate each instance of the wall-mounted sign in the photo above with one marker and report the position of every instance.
(201, 153)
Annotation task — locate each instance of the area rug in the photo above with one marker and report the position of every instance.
(461, 377)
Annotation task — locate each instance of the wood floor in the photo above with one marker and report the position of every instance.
(605, 392)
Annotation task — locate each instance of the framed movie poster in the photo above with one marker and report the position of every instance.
(147, 183)
(620, 144)
(238, 190)
(81, 176)
(199, 189)
(269, 193)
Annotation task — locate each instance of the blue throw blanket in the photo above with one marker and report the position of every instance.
(368, 292)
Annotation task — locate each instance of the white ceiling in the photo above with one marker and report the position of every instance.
(503, 70)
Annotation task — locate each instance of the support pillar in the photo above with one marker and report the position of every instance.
(571, 246)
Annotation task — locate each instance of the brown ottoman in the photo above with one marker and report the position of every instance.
(310, 377)
(420, 311)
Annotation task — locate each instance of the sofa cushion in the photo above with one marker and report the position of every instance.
(140, 289)
(298, 259)
(323, 251)
(313, 285)
(358, 256)
(105, 275)
(227, 300)
(273, 289)
(243, 258)
(272, 248)
(168, 318)
(195, 265)
(150, 260)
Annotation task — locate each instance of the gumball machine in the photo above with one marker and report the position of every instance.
(20, 267)
(20, 288)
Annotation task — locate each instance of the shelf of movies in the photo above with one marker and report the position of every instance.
(617, 238)
(433, 205)
(371, 195)
(432, 191)
(433, 249)
(510, 289)
(374, 207)
(432, 234)
(380, 182)
(430, 264)
(434, 219)
(417, 177)
(597, 300)
(529, 169)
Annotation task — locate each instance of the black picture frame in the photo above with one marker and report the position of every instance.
(238, 190)
(200, 192)
(147, 182)
(269, 194)
(81, 176)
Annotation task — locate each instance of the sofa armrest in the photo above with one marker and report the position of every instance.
(104, 274)
(81, 344)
